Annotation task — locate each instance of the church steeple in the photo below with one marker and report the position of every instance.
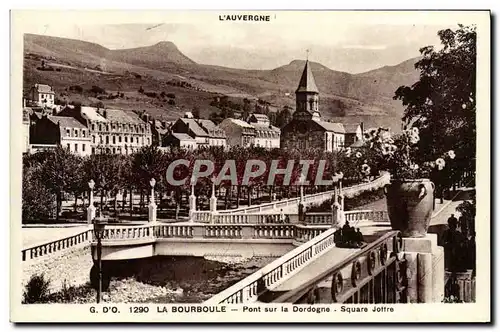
(307, 94)
(307, 83)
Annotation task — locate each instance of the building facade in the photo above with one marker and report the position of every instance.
(307, 130)
(238, 132)
(112, 130)
(216, 135)
(65, 131)
(191, 127)
(353, 133)
(179, 140)
(42, 95)
(266, 135)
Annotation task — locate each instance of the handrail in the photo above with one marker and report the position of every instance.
(295, 294)
(251, 283)
(348, 191)
(54, 246)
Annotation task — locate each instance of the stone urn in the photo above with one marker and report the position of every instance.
(410, 206)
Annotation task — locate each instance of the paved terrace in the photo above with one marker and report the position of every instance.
(317, 257)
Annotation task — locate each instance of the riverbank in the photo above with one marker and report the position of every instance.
(164, 280)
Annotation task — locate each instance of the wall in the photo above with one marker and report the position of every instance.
(72, 265)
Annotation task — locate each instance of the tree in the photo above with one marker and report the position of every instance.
(442, 104)
(196, 112)
(57, 173)
(283, 117)
(37, 200)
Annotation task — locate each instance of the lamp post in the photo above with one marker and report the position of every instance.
(91, 208)
(152, 182)
(152, 204)
(192, 199)
(99, 226)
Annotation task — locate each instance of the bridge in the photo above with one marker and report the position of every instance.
(309, 267)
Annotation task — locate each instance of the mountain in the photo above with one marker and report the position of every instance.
(352, 97)
(154, 56)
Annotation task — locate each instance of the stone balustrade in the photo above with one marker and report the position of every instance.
(127, 233)
(55, 246)
(204, 216)
(248, 289)
(249, 226)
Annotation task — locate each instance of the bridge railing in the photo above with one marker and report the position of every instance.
(55, 246)
(348, 192)
(250, 288)
(375, 274)
(127, 233)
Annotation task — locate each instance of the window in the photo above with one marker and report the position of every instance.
(83, 147)
(126, 139)
(119, 139)
(137, 140)
(114, 150)
(93, 139)
(83, 133)
(148, 141)
(114, 140)
(76, 147)
(107, 139)
(67, 146)
(67, 132)
(76, 132)
(93, 126)
(100, 140)
(93, 150)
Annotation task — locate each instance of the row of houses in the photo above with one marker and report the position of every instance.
(86, 130)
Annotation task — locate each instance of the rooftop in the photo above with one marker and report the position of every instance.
(351, 127)
(66, 121)
(195, 127)
(183, 137)
(240, 123)
(43, 88)
(331, 126)
(307, 83)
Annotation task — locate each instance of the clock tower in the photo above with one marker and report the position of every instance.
(307, 96)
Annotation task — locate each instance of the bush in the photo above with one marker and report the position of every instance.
(97, 90)
(171, 95)
(171, 102)
(36, 290)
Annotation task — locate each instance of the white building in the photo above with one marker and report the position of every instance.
(266, 135)
(42, 95)
(238, 132)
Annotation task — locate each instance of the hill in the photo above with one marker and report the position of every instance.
(164, 68)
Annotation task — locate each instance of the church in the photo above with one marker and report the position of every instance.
(307, 130)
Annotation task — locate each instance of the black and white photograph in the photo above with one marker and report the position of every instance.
(250, 166)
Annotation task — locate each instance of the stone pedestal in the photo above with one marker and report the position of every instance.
(426, 269)
(192, 206)
(152, 213)
(338, 216)
(213, 204)
(301, 211)
(247, 232)
(90, 213)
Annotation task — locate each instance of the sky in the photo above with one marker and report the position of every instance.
(344, 46)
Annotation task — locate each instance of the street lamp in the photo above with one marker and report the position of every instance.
(91, 186)
(99, 226)
(152, 182)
